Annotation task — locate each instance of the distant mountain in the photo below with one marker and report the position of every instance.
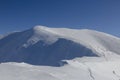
(50, 46)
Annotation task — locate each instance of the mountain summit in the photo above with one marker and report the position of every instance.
(50, 46)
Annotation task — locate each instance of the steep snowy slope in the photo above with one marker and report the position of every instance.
(81, 54)
(91, 39)
(49, 46)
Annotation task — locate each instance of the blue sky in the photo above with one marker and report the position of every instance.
(101, 15)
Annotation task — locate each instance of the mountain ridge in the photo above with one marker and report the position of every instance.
(49, 46)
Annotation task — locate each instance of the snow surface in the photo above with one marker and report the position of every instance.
(101, 43)
(98, 58)
(90, 38)
(34, 45)
(74, 70)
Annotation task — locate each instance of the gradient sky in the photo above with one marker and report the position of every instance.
(101, 15)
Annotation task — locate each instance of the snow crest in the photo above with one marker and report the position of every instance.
(52, 45)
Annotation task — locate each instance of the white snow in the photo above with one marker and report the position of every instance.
(101, 43)
(105, 67)
(74, 70)
(42, 33)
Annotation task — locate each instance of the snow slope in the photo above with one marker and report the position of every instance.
(80, 54)
(75, 70)
(97, 41)
(49, 46)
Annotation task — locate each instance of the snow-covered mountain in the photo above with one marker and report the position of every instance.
(81, 54)
(49, 46)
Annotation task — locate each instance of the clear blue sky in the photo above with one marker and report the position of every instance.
(101, 15)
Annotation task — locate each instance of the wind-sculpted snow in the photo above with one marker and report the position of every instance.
(43, 54)
(80, 54)
(50, 46)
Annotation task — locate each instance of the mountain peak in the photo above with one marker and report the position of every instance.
(43, 29)
(57, 43)
(39, 27)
